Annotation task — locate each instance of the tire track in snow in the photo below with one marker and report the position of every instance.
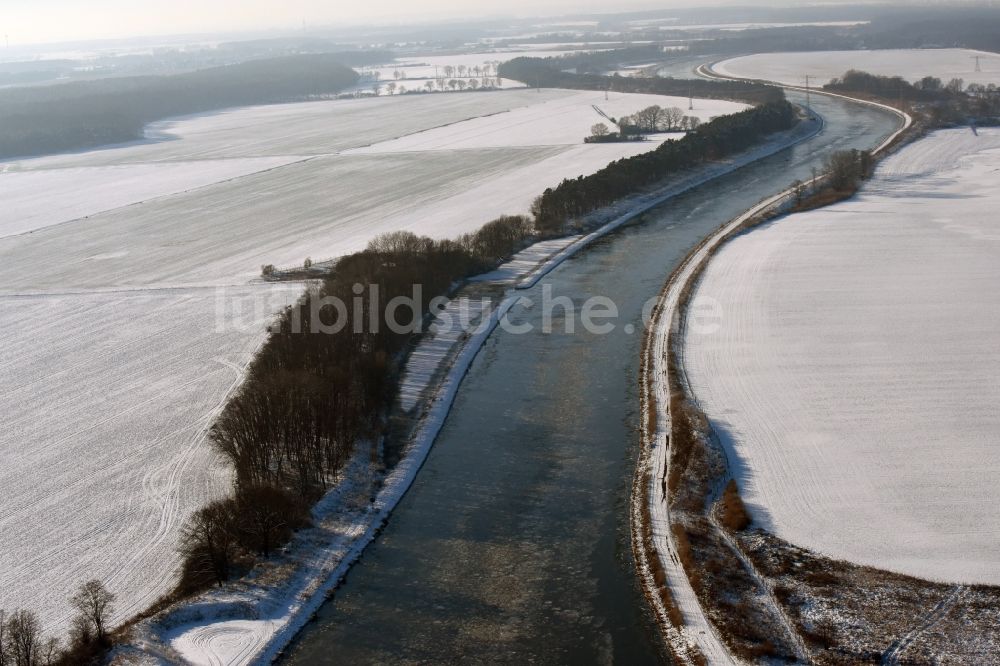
(892, 655)
(765, 585)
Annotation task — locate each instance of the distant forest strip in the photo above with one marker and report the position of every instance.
(548, 73)
(325, 381)
(75, 116)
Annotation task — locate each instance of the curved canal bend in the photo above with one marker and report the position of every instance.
(513, 545)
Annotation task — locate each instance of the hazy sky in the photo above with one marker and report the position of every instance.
(33, 21)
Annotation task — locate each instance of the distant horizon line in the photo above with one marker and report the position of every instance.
(310, 29)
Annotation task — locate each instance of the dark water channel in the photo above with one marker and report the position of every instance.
(512, 546)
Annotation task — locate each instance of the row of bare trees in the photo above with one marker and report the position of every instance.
(222, 538)
(431, 85)
(723, 136)
(486, 70)
(658, 119)
(23, 641)
(322, 384)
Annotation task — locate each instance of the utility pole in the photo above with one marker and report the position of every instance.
(979, 67)
(690, 99)
(808, 97)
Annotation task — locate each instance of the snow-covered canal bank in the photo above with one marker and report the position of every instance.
(854, 368)
(116, 349)
(513, 541)
(251, 621)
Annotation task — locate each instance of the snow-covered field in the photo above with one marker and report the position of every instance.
(558, 122)
(432, 66)
(108, 260)
(853, 372)
(316, 205)
(106, 399)
(673, 24)
(304, 129)
(413, 72)
(245, 622)
(822, 66)
(29, 203)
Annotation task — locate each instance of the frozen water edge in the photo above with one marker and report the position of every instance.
(252, 620)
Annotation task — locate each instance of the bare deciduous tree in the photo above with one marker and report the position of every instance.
(24, 638)
(50, 653)
(266, 517)
(648, 119)
(208, 542)
(671, 118)
(94, 602)
(3, 638)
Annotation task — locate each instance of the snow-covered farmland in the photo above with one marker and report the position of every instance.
(822, 66)
(557, 122)
(325, 205)
(415, 71)
(113, 361)
(674, 24)
(849, 361)
(305, 129)
(29, 203)
(432, 66)
(223, 234)
(106, 399)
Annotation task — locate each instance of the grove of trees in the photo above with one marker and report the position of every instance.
(655, 118)
(944, 103)
(927, 89)
(23, 641)
(322, 384)
(723, 136)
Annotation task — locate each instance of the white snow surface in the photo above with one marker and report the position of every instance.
(42, 197)
(822, 66)
(557, 122)
(250, 621)
(853, 374)
(318, 204)
(432, 66)
(106, 398)
(113, 361)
